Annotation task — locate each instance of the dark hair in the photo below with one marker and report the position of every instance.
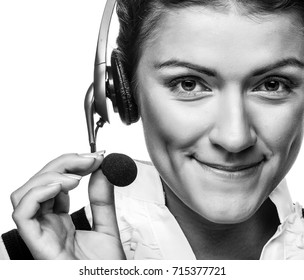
(139, 20)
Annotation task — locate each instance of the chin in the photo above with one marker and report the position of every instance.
(223, 211)
(229, 218)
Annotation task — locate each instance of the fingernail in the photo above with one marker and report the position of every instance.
(88, 155)
(53, 184)
(73, 176)
(101, 153)
(93, 155)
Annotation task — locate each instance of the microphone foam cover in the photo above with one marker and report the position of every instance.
(119, 169)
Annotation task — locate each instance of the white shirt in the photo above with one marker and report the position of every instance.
(148, 230)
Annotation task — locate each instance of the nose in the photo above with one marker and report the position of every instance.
(232, 129)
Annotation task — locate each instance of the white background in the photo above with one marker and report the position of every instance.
(47, 51)
(46, 66)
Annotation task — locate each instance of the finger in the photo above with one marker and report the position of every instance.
(62, 203)
(67, 181)
(59, 204)
(101, 196)
(25, 214)
(81, 164)
(46, 207)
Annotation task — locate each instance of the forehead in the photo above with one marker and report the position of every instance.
(204, 35)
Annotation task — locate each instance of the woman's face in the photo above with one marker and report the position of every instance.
(221, 97)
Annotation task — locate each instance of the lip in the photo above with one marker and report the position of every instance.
(233, 171)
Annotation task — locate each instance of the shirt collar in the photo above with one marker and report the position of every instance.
(281, 198)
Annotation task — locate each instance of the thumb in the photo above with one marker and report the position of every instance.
(101, 196)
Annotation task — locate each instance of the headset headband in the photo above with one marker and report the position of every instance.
(103, 32)
(100, 70)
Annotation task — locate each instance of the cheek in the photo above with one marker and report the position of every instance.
(281, 129)
(171, 122)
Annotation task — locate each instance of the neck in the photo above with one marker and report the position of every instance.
(224, 241)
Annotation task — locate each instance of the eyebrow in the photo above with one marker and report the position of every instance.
(178, 63)
(293, 62)
(287, 62)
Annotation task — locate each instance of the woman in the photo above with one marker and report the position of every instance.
(219, 86)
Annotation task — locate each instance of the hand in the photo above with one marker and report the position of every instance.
(41, 209)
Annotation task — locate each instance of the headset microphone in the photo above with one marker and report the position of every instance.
(119, 169)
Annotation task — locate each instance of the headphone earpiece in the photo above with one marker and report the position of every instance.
(119, 91)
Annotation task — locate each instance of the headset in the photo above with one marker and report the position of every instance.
(110, 81)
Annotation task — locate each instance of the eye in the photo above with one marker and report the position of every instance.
(275, 87)
(272, 85)
(189, 88)
(188, 85)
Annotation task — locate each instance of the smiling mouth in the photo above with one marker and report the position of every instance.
(233, 168)
(232, 171)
